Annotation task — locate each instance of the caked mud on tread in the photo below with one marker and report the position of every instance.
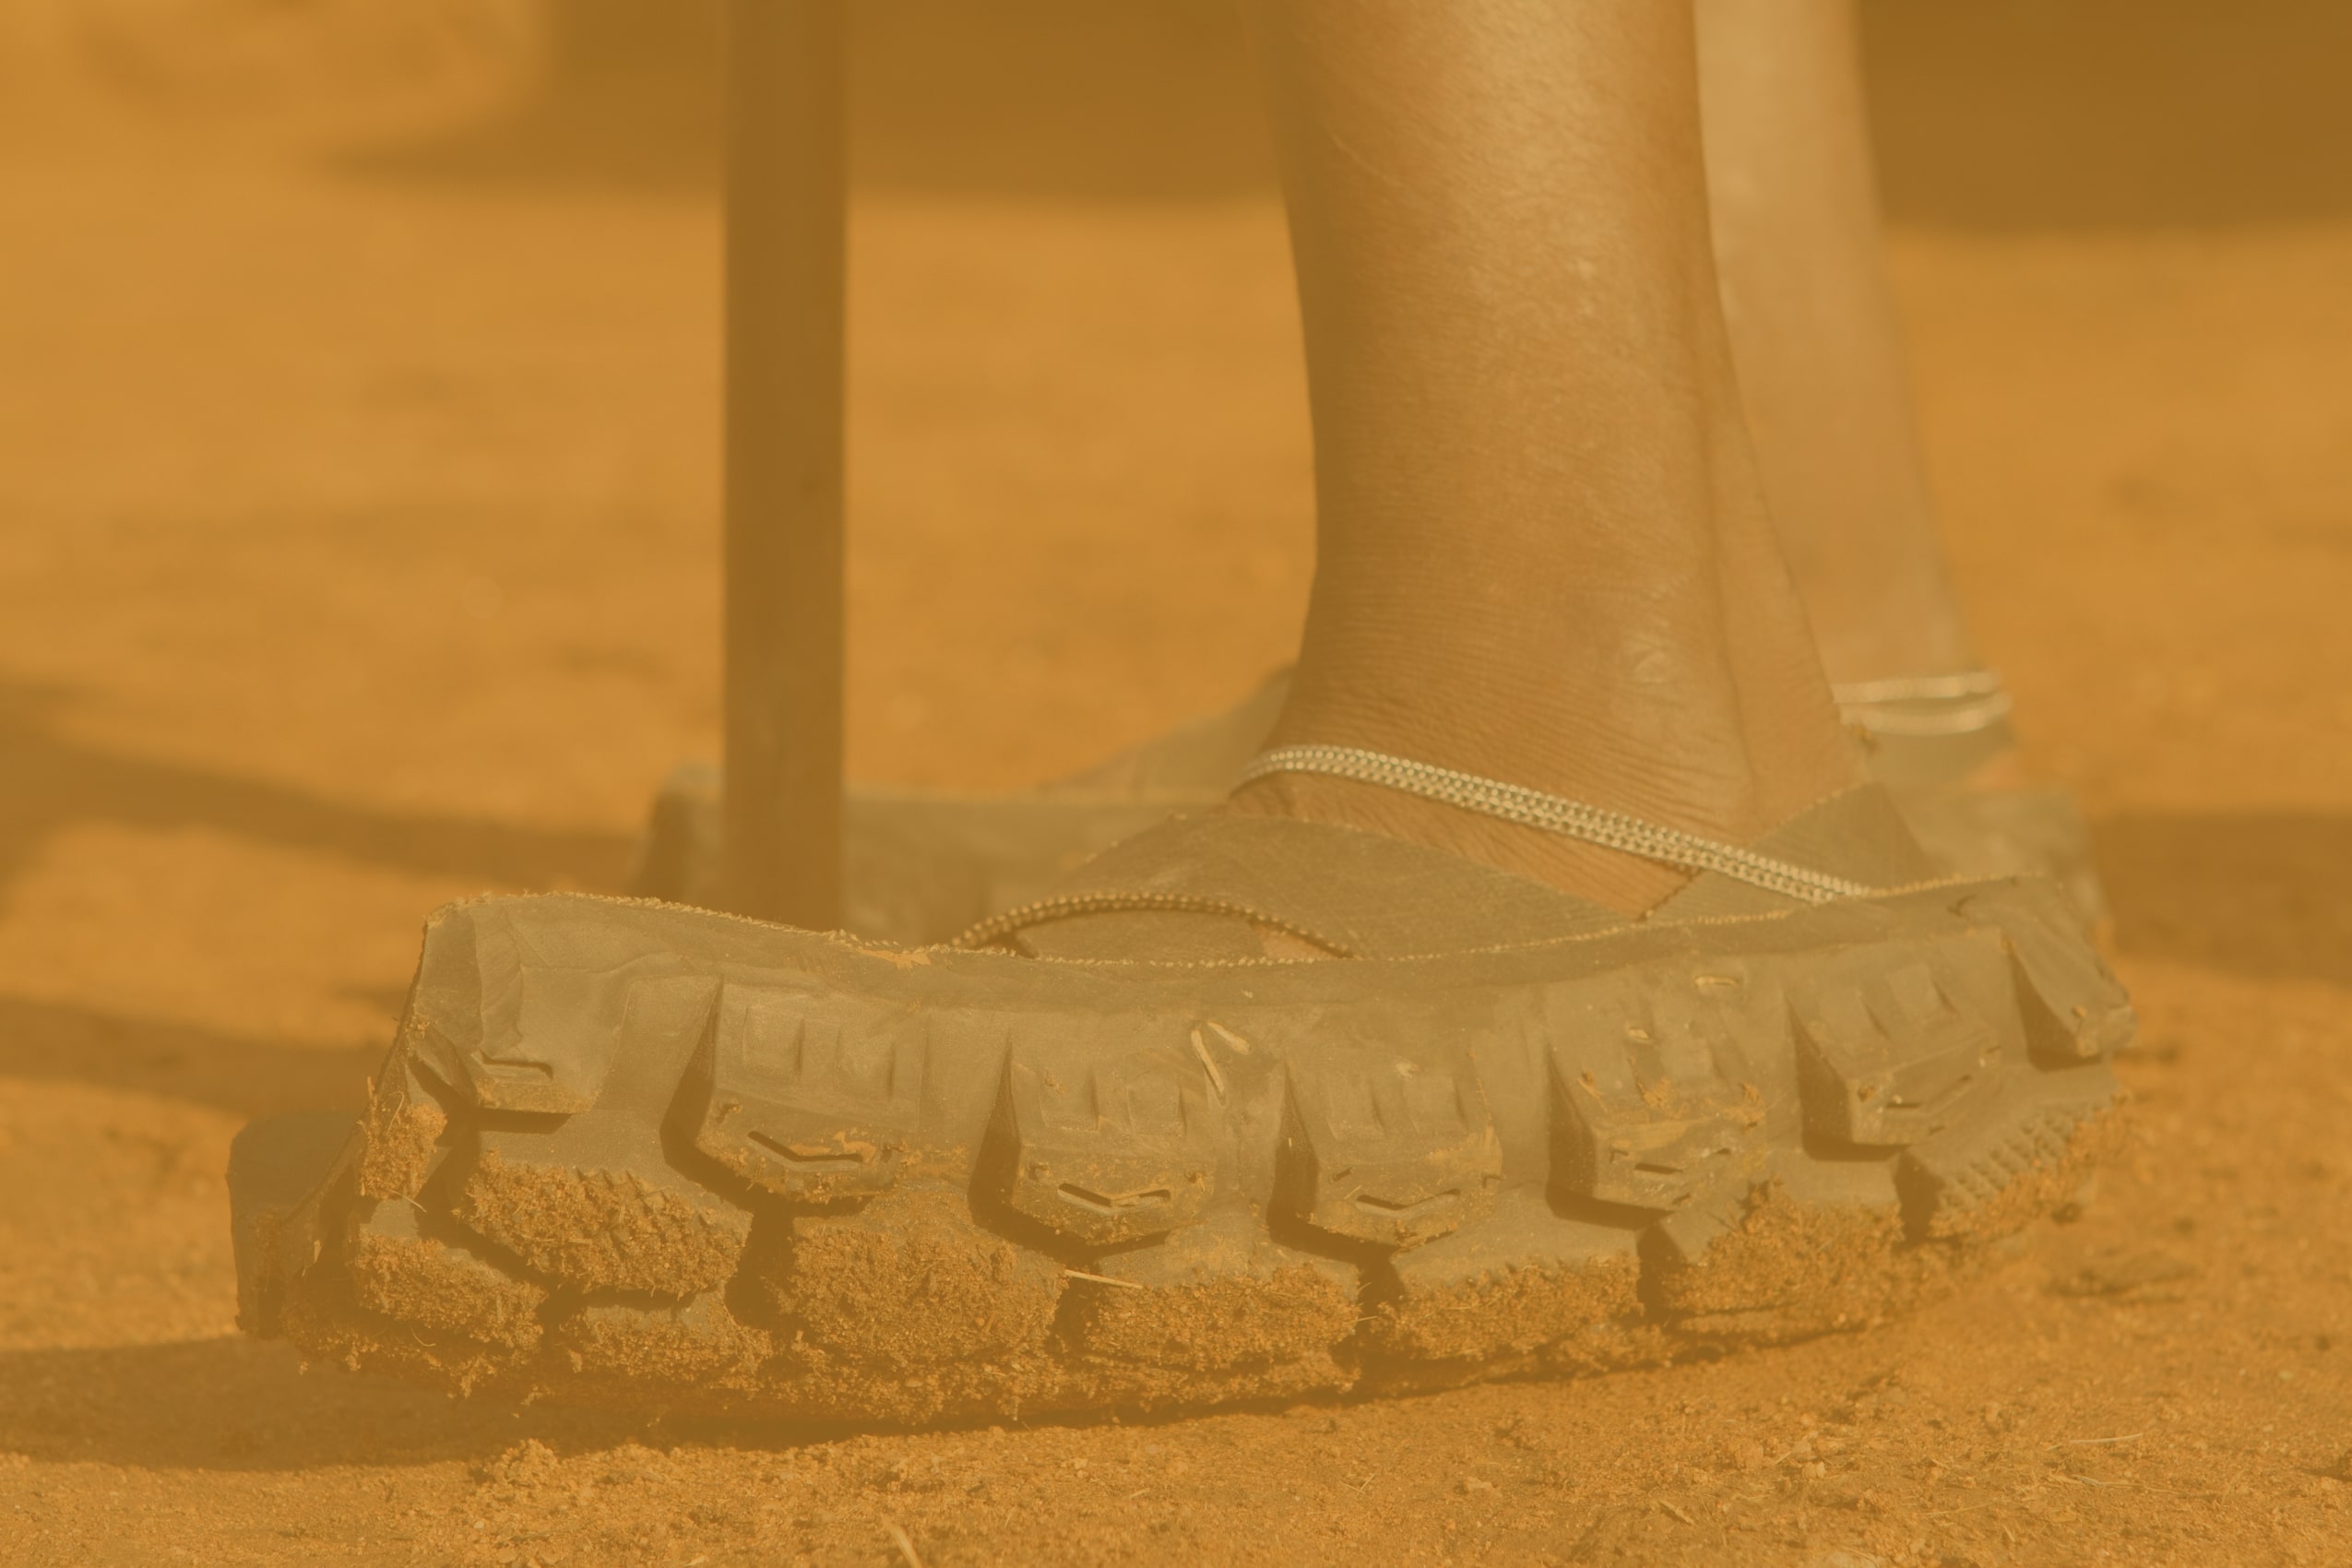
(636, 1154)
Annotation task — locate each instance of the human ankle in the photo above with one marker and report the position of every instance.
(1646, 714)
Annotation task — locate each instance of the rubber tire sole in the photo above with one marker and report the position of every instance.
(636, 1155)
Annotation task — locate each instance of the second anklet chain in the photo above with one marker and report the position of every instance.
(1555, 814)
(1962, 703)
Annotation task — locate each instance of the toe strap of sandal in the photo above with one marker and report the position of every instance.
(1217, 886)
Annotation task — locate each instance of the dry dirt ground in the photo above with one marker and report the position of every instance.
(357, 552)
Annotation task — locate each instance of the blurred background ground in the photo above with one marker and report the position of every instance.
(358, 369)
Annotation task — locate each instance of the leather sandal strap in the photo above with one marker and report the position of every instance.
(1202, 882)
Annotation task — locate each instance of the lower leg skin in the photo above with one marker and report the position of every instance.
(1814, 333)
(1544, 554)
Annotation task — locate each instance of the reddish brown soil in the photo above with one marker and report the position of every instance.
(359, 553)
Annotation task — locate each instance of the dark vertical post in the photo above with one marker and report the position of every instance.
(786, 213)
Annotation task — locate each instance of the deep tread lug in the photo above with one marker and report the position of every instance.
(2073, 1009)
(2024, 1157)
(1652, 1102)
(1885, 1055)
(813, 1098)
(1391, 1147)
(1113, 1136)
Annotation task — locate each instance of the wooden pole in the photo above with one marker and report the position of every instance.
(785, 258)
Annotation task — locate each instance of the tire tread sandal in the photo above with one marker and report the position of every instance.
(804, 1178)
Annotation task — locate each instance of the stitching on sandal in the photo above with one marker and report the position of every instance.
(1930, 885)
(1072, 906)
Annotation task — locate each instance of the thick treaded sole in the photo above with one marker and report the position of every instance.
(633, 1154)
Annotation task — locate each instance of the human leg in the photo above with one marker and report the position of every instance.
(1797, 249)
(1813, 333)
(1544, 554)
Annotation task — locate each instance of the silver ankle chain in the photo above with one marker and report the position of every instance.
(1555, 814)
(1969, 701)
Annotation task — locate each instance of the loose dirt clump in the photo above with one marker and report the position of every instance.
(397, 1139)
(1508, 1310)
(1784, 1270)
(907, 1280)
(418, 1278)
(603, 1230)
(1294, 1313)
